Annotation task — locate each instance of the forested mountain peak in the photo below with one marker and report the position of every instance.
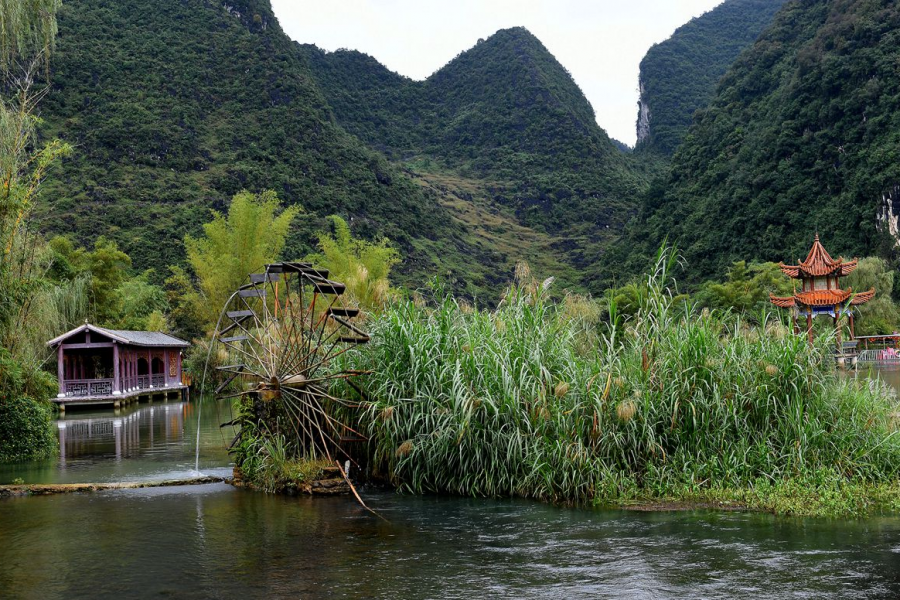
(175, 106)
(514, 67)
(679, 76)
(801, 137)
(504, 114)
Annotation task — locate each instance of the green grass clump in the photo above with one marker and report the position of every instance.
(543, 400)
(266, 465)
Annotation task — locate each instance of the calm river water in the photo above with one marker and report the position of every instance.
(214, 541)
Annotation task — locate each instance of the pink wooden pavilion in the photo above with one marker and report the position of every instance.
(112, 366)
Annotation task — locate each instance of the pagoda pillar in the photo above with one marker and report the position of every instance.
(837, 328)
(852, 331)
(809, 326)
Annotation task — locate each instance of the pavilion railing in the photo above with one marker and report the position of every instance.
(883, 355)
(159, 380)
(88, 387)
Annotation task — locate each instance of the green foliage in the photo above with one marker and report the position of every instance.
(28, 302)
(25, 423)
(801, 136)
(267, 466)
(679, 76)
(27, 28)
(746, 288)
(503, 403)
(362, 266)
(507, 114)
(181, 298)
(26, 429)
(144, 305)
(880, 315)
(188, 104)
(251, 235)
(116, 298)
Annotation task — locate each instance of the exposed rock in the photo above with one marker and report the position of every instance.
(888, 215)
(643, 122)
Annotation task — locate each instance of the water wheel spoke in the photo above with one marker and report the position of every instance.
(288, 324)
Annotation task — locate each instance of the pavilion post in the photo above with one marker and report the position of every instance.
(116, 380)
(60, 372)
(166, 367)
(837, 328)
(149, 368)
(809, 326)
(852, 331)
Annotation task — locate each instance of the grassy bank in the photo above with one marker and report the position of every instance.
(550, 401)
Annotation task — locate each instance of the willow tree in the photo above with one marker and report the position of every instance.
(27, 33)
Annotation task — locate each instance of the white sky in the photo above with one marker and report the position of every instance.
(600, 42)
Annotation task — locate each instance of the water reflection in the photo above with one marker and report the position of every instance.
(147, 442)
(124, 436)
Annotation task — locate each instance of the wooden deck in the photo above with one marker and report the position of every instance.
(118, 400)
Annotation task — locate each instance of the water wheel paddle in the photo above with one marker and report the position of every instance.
(283, 333)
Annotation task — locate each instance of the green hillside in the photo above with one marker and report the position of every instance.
(679, 75)
(174, 106)
(506, 114)
(803, 136)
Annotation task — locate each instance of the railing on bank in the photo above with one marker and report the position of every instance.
(882, 355)
(89, 387)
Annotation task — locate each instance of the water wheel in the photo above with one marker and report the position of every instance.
(284, 333)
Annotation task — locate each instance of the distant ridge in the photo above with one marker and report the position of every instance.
(679, 75)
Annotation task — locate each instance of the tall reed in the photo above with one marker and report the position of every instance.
(531, 400)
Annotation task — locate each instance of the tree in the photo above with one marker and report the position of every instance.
(27, 28)
(746, 289)
(27, 32)
(880, 315)
(235, 245)
(362, 266)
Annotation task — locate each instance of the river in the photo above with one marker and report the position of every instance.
(215, 541)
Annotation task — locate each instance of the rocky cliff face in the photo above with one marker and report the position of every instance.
(643, 122)
(888, 214)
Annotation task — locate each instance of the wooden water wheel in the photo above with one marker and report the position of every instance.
(284, 333)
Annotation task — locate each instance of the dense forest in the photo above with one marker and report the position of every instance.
(679, 76)
(187, 104)
(507, 115)
(801, 137)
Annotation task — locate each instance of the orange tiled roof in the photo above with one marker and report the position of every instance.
(818, 298)
(782, 302)
(819, 263)
(863, 297)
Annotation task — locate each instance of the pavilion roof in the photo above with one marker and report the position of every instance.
(819, 263)
(822, 298)
(154, 339)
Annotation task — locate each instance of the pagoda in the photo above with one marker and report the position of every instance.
(821, 293)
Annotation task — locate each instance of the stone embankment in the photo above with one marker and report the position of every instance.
(40, 489)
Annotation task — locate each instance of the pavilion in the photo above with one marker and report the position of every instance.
(110, 366)
(821, 293)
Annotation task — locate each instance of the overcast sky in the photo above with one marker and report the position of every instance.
(600, 42)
